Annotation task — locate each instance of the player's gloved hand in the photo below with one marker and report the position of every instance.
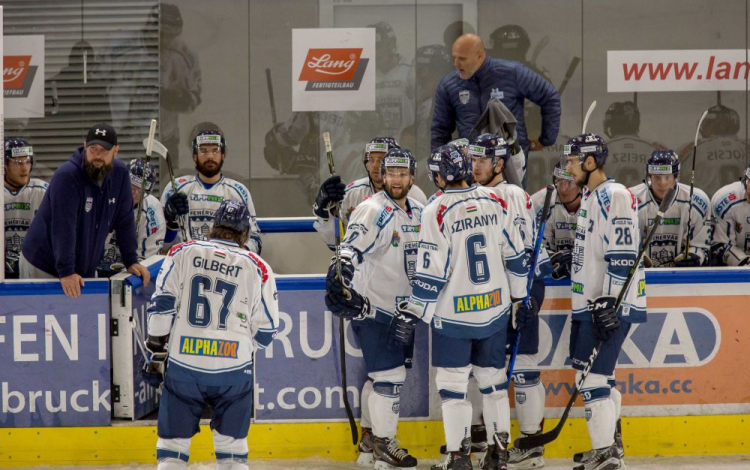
(561, 262)
(341, 299)
(524, 315)
(692, 261)
(717, 254)
(331, 191)
(152, 368)
(176, 206)
(403, 324)
(604, 316)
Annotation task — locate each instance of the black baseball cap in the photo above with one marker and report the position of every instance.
(102, 134)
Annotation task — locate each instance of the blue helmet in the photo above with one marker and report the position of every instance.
(449, 163)
(663, 162)
(379, 144)
(16, 147)
(399, 158)
(233, 215)
(585, 145)
(138, 167)
(209, 137)
(490, 146)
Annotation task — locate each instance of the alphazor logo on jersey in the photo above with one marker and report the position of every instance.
(333, 69)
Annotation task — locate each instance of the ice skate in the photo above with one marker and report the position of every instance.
(497, 453)
(388, 455)
(599, 459)
(526, 458)
(366, 443)
(460, 460)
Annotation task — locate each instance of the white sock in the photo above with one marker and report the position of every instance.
(363, 405)
(384, 402)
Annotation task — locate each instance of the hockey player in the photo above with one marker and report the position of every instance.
(23, 195)
(215, 304)
(152, 226)
(667, 248)
(606, 246)
(198, 196)
(381, 242)
(333, 189)
(559, 233)
(731, 208)
(627, 151)
(471, 266)
(720, 147)
(489, 153)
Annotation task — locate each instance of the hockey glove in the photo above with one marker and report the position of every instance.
(331, 191)
(561, 262)
(524, 316)
(341, 299)
(152, 368)
(403, 324)
(604, 316)
(716, 254)
(176, 206)
(692, 261)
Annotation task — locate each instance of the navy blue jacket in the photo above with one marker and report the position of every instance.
(460, 103)
(67, 234)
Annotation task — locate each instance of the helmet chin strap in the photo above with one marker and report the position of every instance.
(572, 200)
(12, 186)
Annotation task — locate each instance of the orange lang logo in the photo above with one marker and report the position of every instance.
(15, 68)
(330, 65)
(333, 69)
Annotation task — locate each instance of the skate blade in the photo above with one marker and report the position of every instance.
(536, 462)
(380, 465)
(365, 459)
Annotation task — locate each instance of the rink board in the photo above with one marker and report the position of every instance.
(647, 436)
(683, 392)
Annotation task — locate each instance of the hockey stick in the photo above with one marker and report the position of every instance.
(269, 84)
(529, 442)
(338, 231)
(692, 183)
(532, 272)
(160, 149)
(588, 115)
(149, 149)
(569, 74)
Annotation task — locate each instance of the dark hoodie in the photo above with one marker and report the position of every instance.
(68, 232)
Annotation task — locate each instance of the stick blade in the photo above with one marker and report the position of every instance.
(158, 147)
(537, 440)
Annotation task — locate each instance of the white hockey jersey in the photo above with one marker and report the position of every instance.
(20, 208)
(471, 263)
(669, 240)
(150, 234)
(521, 211)
(382, 241)
(560, 231)
(606, 246)
(720, 160)
(356, 192)
(732, 213)
(627, 159)
(218, 303)
(205, 199)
